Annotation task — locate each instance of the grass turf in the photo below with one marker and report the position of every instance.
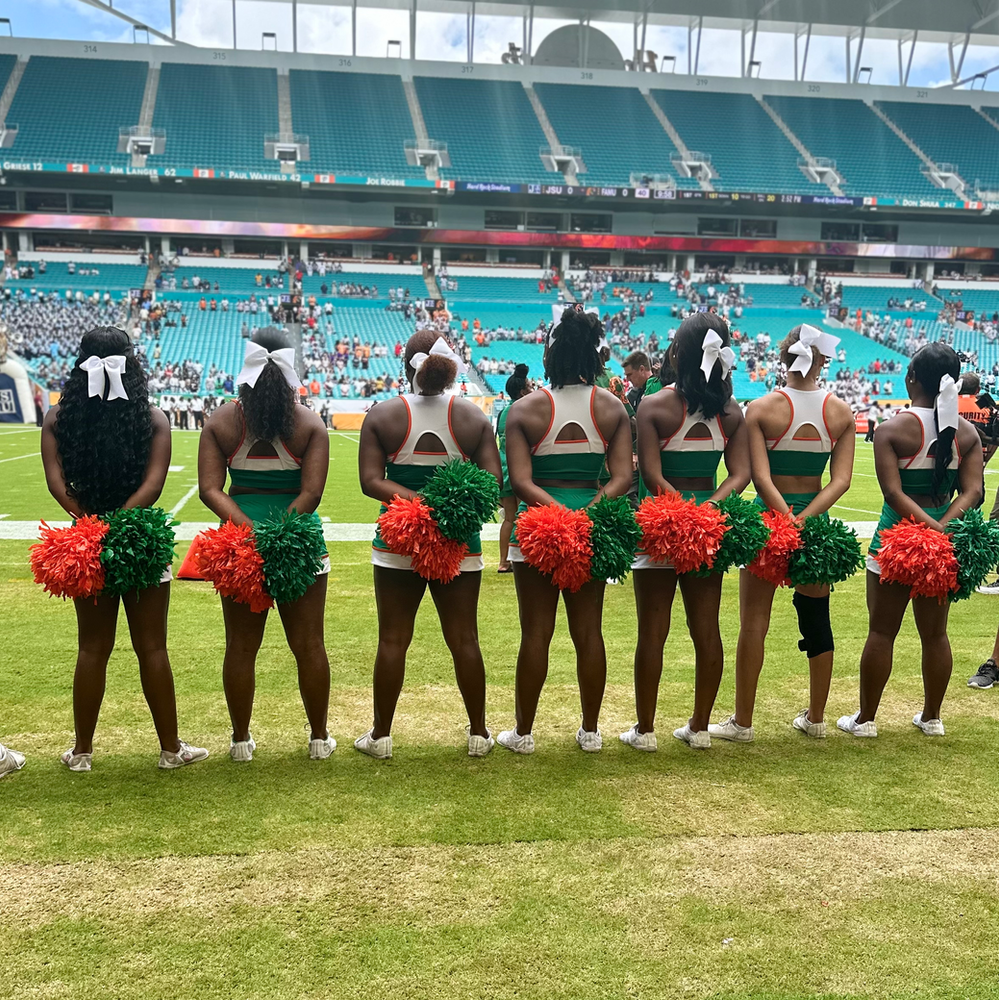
(785, 868)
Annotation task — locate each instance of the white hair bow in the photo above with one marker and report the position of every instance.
(811, 337)
(443, 349)
(713, 353)
(257, 357)
(113, 366)
(946, 404)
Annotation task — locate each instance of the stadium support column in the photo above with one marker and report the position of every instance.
(294, 25)
(165, 246)
(412, 31)
(563, 266)
(173, 19)
(234, 23)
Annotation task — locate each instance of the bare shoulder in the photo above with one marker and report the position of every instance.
(50, 417)
(386, 412)
(466, 410)
(308, 419)
(967, 436)
(532, 405)
(160, 421)
(838, 410)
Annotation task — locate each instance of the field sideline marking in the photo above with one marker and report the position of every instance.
(183, 500)
(31, 454)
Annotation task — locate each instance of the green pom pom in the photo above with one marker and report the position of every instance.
(137, 549)
(614, 537)
(976, 546)
(292, 547)
(830, 553)
(745, 538)
(463, 497)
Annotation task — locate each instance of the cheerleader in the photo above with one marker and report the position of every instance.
(683, 432)
(276, 454)
(517, 385)
(923, 456)
(403, 441)
(557, 442)
(104, 447)
(10, 761)
(793, 434)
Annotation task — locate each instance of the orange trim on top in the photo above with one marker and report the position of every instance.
(593, 417)
(409, 430)
(665, 444)
(450, 429)
(721, 429)
(825, 403)
(909, 459)
(790, 402)
(291, 454)
(242, 418)
(551, 422)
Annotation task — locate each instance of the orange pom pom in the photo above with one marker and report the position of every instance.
(556, 541)
(67, 561)
(914, 554)
(772, 562)
(228, 557)
(408, 528)
(681, 532)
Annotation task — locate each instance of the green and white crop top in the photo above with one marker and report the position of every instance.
(808, 455)
(281, 471)
(693, 457)
(916, 472)
(428, 415)
(577, 459)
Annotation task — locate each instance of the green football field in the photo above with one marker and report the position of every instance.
(785, 868)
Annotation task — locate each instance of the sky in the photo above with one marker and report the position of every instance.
(443, 36)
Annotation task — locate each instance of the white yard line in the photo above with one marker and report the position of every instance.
(183, 500)
(349, 437)
(16, 458)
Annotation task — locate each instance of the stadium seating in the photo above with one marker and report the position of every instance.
(983, 300)
(232, 280)
(870, 157)
(489, 126)
(414, 282)
(500, 290)
(216, 116)
(951, 134)
(70, 110)
(210, 337)
(876, 298)
(614, 128)
(357, 123)
(7, 63)
(110, 277)
(746, 131)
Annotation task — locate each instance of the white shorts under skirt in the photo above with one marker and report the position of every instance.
(873, 566)
(390, 560)
(643, 560)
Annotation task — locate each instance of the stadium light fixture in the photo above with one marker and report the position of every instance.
(861, 72)
(979, 76)
(398, 49)
(6, 20)
(668, 59)
(264, 36)
(754, 68)
(136, 28)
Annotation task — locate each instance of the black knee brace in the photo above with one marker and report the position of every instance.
(813, 624)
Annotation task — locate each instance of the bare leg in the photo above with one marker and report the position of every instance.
(303, 622)
(886, 604)
(96, 622)
(995, 650)
(702, 602)
(654, 593)
(147, 622)
(756, 600)
(457, 607)
(506, 530)
(538, 600)
(820, 668)
(584, 610)
(938, 661)
(244, 631)
(398, 593)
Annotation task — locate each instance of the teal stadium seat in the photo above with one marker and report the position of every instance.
(111, 277)
(357, 123)
(216, 117)
(615, 129)
(232, 280)
(869, 156)
(490, 129)
(949, 133)
(499, 290)
(747, 149)
(70, 110)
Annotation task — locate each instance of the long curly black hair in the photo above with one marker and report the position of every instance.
(709, 396)
(269, 407)
(104, 444)
(572, 357)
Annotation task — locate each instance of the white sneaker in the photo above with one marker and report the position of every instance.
(696, 741)
(242, 751)
(479, 746)
(590, 742)
(640, 741)
(321, 749)
(849, 724)
(512, 740)
(931, 727)
(77, 761)
(817, 730)
(10, 760)
(380, 749)
(731, 730)
(184, 756)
